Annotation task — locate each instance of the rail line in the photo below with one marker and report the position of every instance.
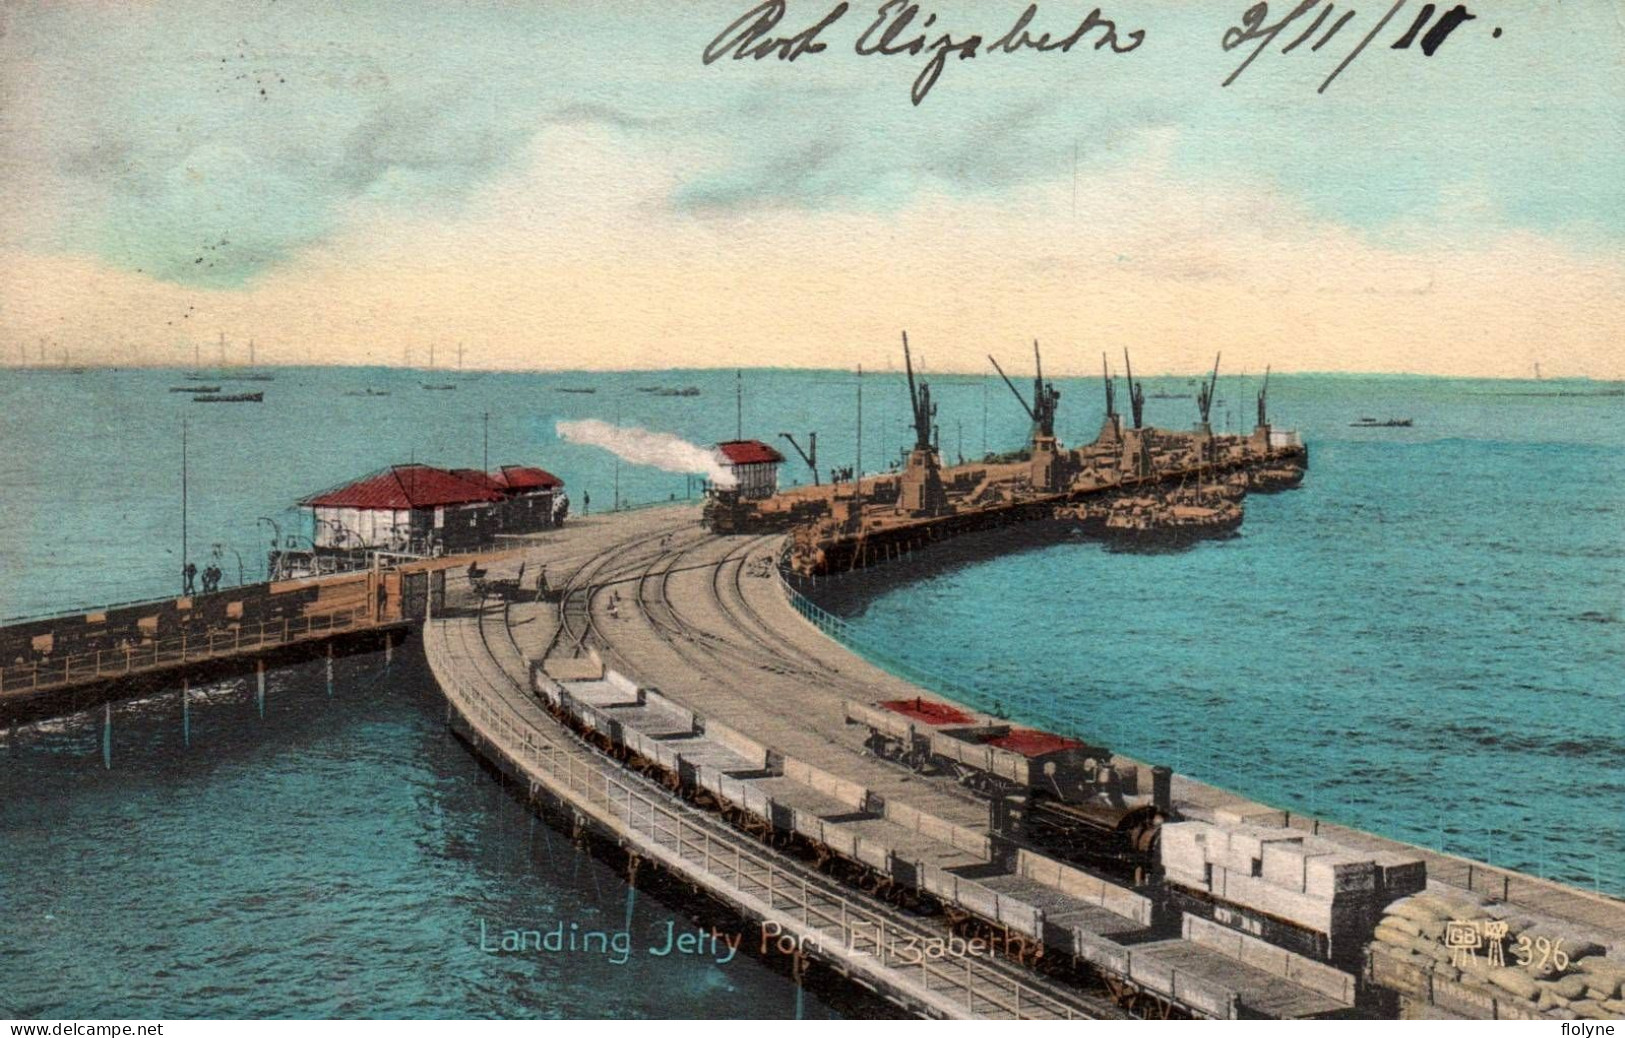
(862, 935)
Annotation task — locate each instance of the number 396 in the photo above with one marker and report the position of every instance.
(1541, 950)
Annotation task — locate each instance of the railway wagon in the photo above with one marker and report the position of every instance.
(1001, 760)
(900, 729)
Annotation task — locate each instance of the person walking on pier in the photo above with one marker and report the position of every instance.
(188, 578)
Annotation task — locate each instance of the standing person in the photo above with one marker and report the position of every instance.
(188, 576)
(586, 503)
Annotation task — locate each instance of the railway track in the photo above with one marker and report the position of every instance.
(731, 864)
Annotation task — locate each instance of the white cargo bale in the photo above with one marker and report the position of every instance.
(1185, 846)
(1328, 876)
(1189, 880)
(1399, 875)
(1311, 913)
(1283, 865)
(1248, 843)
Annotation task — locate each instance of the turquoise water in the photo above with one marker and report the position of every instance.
(1424, 640)
(334, 859)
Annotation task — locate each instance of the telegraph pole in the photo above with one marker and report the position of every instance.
(486, 460)
(183, 505)
(857, 477)
(739, 404)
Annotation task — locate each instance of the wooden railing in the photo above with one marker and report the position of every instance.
(104, 663)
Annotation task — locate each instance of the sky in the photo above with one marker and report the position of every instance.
(567, 185)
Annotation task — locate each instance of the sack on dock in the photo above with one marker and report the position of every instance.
(1414, 908)
(1568, 988)
(1587, 1009)
(1516, 981)
(1399, 922)
(1388, 933)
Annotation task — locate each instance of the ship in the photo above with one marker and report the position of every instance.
(1196, 477)
(1390, 423)
(229, 398)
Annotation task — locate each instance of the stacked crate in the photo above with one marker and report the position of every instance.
(1279, 875)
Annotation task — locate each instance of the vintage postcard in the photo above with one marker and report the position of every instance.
(811, 509)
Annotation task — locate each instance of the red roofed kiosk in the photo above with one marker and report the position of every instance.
(754, 464)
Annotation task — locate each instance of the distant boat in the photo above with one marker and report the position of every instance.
(368, 392)
(1372, 423)
(194, 389)
(569, 389)
(438, 387)
(230, 398)
(1168, 396)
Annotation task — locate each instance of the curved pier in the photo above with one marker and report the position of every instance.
(478, 662)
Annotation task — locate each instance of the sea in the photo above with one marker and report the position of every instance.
(1424, 640)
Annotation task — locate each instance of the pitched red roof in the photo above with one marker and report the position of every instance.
(524, 477)
(479, 479)
(749, 452)
(404, 486)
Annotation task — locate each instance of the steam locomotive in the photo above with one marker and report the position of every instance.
(1045, 791)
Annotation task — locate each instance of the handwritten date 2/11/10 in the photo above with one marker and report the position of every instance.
(1328, 22)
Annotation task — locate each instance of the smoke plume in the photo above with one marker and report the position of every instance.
(642, 447)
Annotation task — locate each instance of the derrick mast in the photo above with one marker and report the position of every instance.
(920, 491)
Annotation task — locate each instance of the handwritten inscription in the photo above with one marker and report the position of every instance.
(1328, 22)
(908, 29)
(903, 28)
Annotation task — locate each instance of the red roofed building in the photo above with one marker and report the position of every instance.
(421, 509)
(754, 464)
(534, 498)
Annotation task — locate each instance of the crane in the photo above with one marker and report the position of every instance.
(919, 402)
(1111, 386)
(1045, 396)
(1204, 395)
(809, 456)
(1136, 392)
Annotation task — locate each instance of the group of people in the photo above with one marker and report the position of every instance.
(211, 578)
